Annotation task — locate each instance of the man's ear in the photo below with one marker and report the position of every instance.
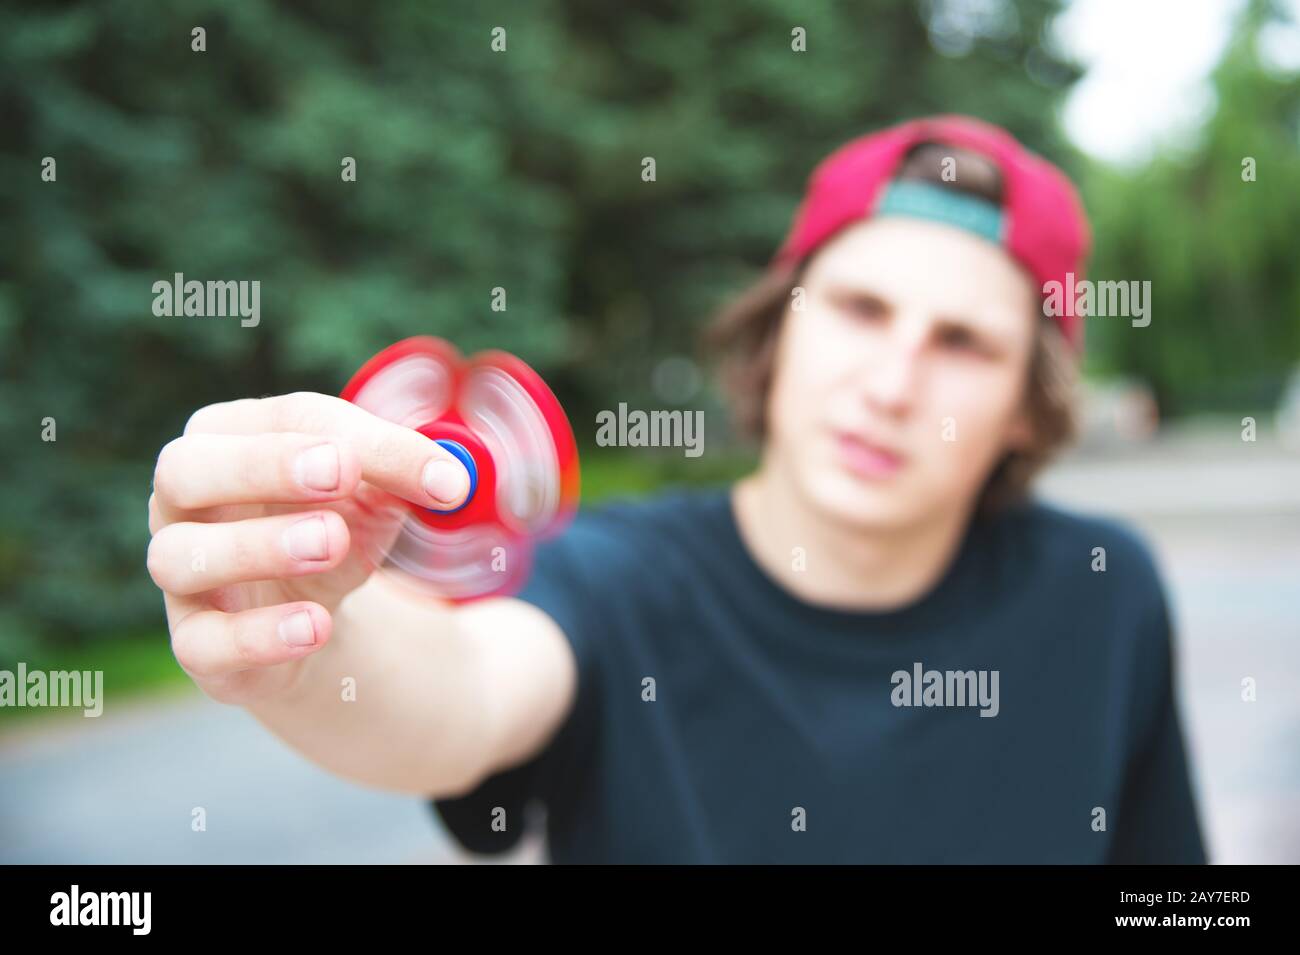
(1020, 434)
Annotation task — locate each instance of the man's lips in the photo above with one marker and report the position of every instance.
(866, 458)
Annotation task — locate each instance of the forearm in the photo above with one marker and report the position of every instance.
(395, 700)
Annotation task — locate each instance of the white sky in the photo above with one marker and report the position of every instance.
(1148, 62)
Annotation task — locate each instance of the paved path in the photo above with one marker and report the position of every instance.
(1224, 518)
(121, 788)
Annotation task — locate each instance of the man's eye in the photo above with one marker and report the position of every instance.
(958, 339)
(864, 306)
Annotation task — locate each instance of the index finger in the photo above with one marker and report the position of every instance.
(397, 459)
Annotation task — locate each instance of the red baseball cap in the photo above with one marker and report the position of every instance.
(1043, 226)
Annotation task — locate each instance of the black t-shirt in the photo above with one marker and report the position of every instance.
(1021, 711)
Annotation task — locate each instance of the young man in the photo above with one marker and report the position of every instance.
(873, 649)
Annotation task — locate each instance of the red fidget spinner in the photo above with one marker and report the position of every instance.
(500, 419)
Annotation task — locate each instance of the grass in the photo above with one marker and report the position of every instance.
(138, 663)
(132, 664)
(612, 474)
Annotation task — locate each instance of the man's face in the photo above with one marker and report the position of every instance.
(900, 382)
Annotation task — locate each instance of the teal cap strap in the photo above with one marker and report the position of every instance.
(927, 200)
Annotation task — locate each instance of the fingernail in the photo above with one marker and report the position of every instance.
(318, 468)
(446, 481)
(307, 540)
(296, 629)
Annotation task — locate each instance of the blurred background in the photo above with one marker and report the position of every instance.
(522, 169)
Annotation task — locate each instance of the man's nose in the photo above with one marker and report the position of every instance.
(892, 376)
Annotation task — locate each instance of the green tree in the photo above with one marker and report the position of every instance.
(1217, 247)
(477, 168)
